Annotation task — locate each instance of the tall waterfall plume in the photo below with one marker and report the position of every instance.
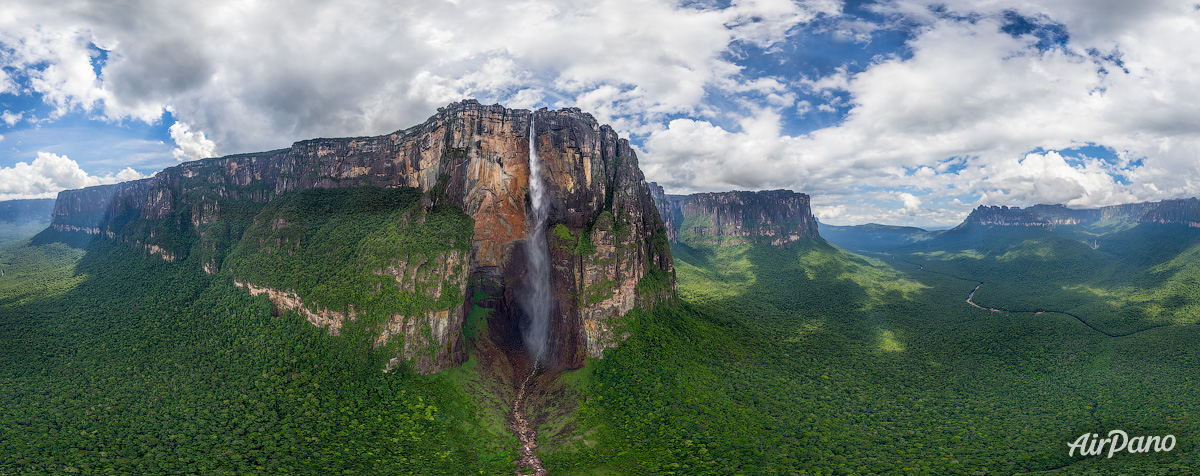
(537, 298)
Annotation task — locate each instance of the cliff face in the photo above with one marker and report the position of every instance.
(777, 217)
(1183, 212)
(469, 156)
(599, 195)
(669, 210)
(37, 210)
(1037, 215)
(83, 210)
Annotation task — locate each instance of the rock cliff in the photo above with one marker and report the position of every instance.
(777, 217)
(469, 156)
(668, 210)
(36, 210)
(1181, 211)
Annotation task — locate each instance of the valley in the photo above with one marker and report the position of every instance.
(360, 306)
(1035, 311)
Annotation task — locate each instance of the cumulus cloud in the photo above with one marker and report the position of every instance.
(261, 74)
(910, 201)
(950, 119)
(190, 145)
(11, 118)
(1046, 178)
(694, 155)
(51, 173)
(829, 212)
(959, 116)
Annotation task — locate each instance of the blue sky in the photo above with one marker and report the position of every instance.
(900, 111)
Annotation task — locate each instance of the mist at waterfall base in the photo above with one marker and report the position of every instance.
(536, 298)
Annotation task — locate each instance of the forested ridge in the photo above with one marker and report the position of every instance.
(118, 362)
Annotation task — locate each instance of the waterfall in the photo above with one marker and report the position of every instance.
(536, 298)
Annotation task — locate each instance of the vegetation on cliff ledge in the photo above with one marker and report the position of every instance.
(333, 248)
(142, 366)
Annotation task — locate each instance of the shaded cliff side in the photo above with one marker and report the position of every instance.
(777, 217)
(1182, 211)
(468, 156)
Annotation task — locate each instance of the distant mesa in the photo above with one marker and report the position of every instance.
(1181, 211)
(27, 210)
(776, 217)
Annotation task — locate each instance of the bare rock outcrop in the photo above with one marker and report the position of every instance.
(471, 156)
(777, 217)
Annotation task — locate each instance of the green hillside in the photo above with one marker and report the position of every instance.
(118, 363)
(807, 360)
(326, 245)
(817, 361)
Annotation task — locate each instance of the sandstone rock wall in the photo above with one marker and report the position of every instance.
(777, 217)
(82, 210)
(37, 210)
(468, 155)
(432, 339)
(668, 207)
(1182, 211)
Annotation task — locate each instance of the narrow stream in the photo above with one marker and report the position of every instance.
(526, 434)
(971, 297)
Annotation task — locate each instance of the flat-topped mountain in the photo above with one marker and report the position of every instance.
(1181, 211)
(37, 209)
(609, 249)
(777, 217)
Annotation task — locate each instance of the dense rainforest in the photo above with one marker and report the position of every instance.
(805, 360)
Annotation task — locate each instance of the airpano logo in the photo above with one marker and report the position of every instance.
(1091, 444)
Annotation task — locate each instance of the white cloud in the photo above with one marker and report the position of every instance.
(190, 145)
(952, 118)
(959, 116)
(55, 63)
(11, 118)
(7, 85)
(1049, 178)
(854, 30)
(803, 107)
(694, 155)
(830, 212)
(257, 75)
(51, 173)
(911, 203)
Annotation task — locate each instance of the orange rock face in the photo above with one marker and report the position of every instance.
(470, 156)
